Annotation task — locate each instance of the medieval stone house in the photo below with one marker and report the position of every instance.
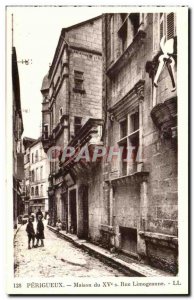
(142, 192)
(112, 84)
(71, 115)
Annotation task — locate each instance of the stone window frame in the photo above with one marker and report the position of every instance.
(37, 191)
(32, 191)
(77, 124)
(124, 167)
(32, 176)
(46, 132)
(79, 82)
(126, 21)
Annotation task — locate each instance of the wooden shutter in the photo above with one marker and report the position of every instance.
(170, 26)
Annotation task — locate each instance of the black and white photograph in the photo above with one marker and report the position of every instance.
(97, 126)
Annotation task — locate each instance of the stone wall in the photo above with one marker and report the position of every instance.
(159, 154)
(88, 35)
(89, 103)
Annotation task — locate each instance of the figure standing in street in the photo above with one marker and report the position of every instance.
(40, 232)
(39, 213)
(59, 225)
(30, 231)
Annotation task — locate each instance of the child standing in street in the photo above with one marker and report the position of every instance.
(30, 231)
(40, 231)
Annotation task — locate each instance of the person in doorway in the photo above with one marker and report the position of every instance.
(39, 213)
(48, 219)
(31, 233)
(40, 232)
(59, 225)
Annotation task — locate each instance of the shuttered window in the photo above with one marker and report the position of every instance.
(170, 26)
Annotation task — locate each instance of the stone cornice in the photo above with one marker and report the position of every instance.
(84, 49)
(128, 102)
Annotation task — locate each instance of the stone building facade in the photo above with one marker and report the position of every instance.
(36, 167)
(112, 87)
(17, 130)
(71, 115)
(141, 194)
(27, 142)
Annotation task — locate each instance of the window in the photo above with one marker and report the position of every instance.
(28, 157)
(77, 124)
(135, 21)
(32, 191)
(36, 156)
(41, 190)
(78, 81)
(32, 158)
(167, 25)
(170, 25)
(123, 31)
(36, 191)
(123, 128)
(32, 176)
(129, 143)
(37, 174)
(134, 138)
(128, 29)
(45, 131)
(41, 172)
(112, 38)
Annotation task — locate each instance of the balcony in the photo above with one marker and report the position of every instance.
(164, 116)
(88, 137)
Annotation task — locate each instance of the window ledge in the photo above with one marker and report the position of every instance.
(134, 177)
(160, 238)
(79, 91)
(127, 54)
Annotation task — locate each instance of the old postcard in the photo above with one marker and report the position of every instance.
(97, 150)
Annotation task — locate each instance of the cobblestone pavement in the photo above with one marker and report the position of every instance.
(58, 258)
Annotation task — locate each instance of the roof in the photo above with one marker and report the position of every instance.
(27, 141)
(36, 142)
(62, 39)
(81, 23)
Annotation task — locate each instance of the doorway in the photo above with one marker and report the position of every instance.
(85, 212)
(73, 211)
(129, 240)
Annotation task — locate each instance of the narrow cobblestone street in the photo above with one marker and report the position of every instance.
(58, 258)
